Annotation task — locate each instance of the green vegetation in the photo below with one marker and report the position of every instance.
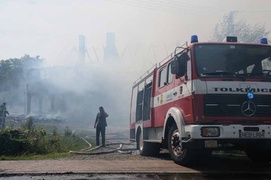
(30, 142)
(231, 25)
(15, 73)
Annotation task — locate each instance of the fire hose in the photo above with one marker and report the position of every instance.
(89, 149)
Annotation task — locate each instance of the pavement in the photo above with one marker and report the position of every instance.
(224, 168)
(24, 167)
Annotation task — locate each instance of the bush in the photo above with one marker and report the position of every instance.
(29, 125)
(13, 142)
(29, 140)
(67, 131)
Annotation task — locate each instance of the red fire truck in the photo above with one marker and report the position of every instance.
(206, 96)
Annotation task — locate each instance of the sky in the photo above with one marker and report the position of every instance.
(148, 29)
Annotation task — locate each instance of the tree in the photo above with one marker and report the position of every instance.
(13, 77)
(245, 32)
(12, 70)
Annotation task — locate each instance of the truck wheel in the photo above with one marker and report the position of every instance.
(180, 155)
(258, 156)
(147, 148)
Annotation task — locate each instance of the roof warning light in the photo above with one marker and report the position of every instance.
(263, 41)
(194, 38)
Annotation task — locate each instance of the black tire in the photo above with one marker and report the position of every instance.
(258, 156)
(178, 154)
(147, 148)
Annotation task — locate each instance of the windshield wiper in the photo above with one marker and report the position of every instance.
(263, 75)
(258, 75)
(221, 73)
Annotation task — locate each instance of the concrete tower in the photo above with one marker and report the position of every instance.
(82, 50)
(110, 52)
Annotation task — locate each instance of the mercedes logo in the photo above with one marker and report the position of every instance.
(248, 108)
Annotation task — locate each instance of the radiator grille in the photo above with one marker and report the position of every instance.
(230, 105)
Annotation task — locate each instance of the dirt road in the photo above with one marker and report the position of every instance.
(131, 166)
(116, 163)
(91, 166)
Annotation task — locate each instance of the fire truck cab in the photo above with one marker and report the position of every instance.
(205, 96)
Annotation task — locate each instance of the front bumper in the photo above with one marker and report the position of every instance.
(230, 131)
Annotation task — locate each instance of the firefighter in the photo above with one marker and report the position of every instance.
(100, 125)
(4, 112)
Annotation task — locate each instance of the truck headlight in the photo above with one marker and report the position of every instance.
(210, 132)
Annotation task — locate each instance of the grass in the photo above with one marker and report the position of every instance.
(68, 145)
(36, 157)
(30, 142)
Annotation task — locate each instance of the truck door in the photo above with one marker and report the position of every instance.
(182, 93)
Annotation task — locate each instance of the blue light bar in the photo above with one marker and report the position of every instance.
(194, 38)
(263, 41)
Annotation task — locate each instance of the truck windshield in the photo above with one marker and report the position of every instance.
(225, 60)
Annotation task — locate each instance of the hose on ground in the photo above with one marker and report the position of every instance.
(87, 151)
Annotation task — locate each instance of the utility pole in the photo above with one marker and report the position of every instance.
(230, 28)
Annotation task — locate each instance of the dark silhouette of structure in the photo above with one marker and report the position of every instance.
(110, 51)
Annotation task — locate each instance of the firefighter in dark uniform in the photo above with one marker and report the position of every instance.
(100, 125)
(4, 112)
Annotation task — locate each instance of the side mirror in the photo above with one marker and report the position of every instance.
(175, 67)
(178, 65)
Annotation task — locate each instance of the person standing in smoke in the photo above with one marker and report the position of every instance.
(4, 112)
(100, 125)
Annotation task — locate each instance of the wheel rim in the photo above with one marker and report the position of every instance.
(176, 144)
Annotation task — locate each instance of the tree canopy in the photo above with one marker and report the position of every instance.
(12, 71)
(230, 26)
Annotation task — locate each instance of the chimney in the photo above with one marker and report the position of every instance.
(110, 52)
(82, 49)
